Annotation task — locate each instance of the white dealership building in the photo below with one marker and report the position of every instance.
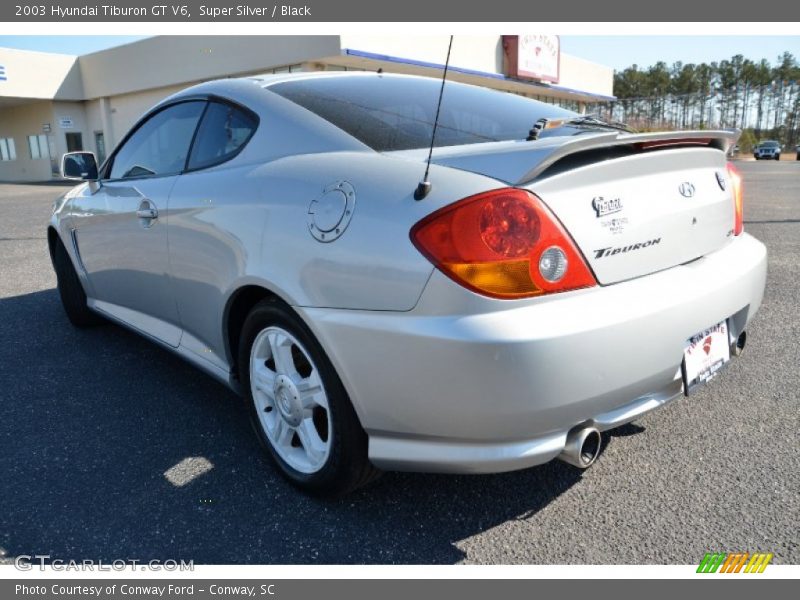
(53, 103)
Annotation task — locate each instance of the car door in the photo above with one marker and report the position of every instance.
(215, 216)
(120, 229)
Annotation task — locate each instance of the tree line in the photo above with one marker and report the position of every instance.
(761, 98)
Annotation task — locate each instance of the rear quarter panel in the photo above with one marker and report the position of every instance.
(248, 225)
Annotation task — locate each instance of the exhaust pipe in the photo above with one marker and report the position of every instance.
(738, 346)
(582, 447)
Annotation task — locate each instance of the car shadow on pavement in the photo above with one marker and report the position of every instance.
(113, 448)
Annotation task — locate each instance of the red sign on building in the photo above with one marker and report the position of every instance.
(534, 56)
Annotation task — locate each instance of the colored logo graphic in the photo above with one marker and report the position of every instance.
(734, 562)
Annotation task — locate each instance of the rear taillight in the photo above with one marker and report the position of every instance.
(505, 244)
(738, 199)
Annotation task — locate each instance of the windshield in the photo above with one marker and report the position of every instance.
(769, 144)
(397, 113)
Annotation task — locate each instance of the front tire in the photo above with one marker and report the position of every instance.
(298, 406)
(73, 297)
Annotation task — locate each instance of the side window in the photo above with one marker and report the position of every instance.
(223, 132)
(160, 145)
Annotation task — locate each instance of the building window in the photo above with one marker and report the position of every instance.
(288, 69)
(38, 146)
(100, 144)
(7, 149)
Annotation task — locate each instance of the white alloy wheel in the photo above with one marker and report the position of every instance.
(290, 400)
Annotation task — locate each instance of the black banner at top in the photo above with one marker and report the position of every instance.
(715, 12)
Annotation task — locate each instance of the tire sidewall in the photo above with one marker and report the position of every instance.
(70, 289)
(268, 314)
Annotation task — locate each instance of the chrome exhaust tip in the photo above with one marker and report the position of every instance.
(582, 447)
(738, 346)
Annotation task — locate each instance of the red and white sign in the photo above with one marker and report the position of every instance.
(534, 56)
(705, 353)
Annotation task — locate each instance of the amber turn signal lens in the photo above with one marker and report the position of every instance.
(501, 244)
(738, 199)
(506, 278)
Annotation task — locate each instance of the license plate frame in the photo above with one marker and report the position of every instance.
(705, 354)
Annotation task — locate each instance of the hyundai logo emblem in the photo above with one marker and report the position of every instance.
(686, 189)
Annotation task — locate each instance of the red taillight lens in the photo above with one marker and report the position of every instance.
(738, 199)
(504, 243)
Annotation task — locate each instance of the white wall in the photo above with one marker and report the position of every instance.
(584, 75)
(40, 75)
(168, 60)
(18, 122)
(480, 53)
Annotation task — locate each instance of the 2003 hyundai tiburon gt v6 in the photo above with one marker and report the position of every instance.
(559, 276)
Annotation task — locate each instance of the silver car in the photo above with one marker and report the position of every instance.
(769, 150)
(552, 276)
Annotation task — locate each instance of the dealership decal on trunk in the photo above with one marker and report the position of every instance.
(610, 251)
(606, 206)
(615, 225)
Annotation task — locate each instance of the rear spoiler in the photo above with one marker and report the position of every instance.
(722, 139)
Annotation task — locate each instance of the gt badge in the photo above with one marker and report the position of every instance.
(606, 206)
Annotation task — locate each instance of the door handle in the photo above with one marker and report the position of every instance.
(147, 213)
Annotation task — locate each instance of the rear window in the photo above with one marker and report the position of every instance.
(397, 113)
(221, 135)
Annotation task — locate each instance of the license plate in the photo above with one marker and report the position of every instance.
(704, 355)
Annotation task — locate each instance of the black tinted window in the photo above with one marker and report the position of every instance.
(394, 113)
(160, 145)
(223, 132)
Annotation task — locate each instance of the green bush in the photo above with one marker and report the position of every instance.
(747, 142)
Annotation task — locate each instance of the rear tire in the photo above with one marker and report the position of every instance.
(73, 297)
(298, 406)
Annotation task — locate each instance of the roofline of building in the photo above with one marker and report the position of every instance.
(472, 72)
(470, 75)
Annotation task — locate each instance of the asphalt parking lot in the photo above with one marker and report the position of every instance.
(91, 420)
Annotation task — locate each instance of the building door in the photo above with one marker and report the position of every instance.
(74, 142)
(100, 144)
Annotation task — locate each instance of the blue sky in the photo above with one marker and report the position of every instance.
(617, 51)
(66, 44)
(620, 51)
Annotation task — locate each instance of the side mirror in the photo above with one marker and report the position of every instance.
(79, 165)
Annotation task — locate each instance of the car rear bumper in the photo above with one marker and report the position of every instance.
(468, 384)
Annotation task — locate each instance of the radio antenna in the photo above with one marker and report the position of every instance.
(424, 187)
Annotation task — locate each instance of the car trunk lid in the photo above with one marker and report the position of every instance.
(634, 203)
(645, 212)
